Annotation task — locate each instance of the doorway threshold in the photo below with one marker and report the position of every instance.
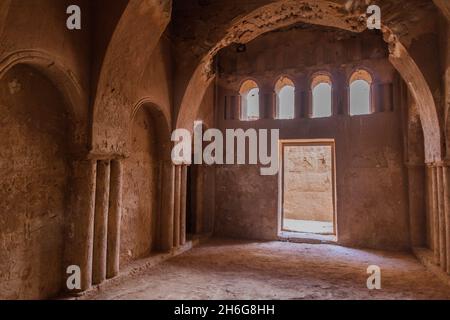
(302, 237)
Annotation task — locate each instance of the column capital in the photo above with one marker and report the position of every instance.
(183, 165)
(107, 156)
(437, 164)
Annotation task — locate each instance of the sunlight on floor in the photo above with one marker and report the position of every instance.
(229, 269)
(305, 226)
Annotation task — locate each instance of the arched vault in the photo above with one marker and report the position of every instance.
(277, 14)
(137, 34)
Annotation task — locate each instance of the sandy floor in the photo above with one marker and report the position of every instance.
(308, 226)
(225, 269)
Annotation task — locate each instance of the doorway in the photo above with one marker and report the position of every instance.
(308, 187)
(194, 205)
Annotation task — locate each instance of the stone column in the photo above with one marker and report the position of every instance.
(114, 217)
(441, 215)
(177, 208)
(434, 211)
(417, 209)
(101, 222)
(183, 205)
(167, 207)
(80, 220)
(429, 205)
(446, 186)
(241, 108)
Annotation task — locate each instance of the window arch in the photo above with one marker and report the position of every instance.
(249, 100)
(285, 105)
(360, 93)
(321, 87)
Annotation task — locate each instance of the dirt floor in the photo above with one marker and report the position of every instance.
(227, 269)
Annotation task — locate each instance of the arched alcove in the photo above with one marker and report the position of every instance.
(72, 93)
(149, 147)
(35, 169)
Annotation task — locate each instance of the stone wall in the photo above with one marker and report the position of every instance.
(140, 191)
(34, 175)
(370, 176)
(308, 185)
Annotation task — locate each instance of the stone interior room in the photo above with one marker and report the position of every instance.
(86, 171)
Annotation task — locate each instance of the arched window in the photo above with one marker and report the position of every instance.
(360, 93)
(285, 90)
(322, 96)
(249, 100)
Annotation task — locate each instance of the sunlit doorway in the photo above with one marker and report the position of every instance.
(308, 187)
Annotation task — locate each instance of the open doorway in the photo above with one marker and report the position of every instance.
(308, 187)
(194, 204)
